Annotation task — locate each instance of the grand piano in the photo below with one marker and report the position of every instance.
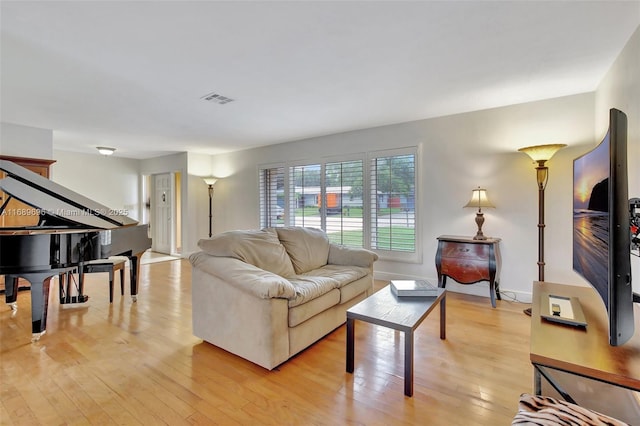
(71, 230)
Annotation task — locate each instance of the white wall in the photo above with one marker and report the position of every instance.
(23, 141)
(197, 215)
(112, 181)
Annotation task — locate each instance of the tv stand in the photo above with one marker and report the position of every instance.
(561, 350)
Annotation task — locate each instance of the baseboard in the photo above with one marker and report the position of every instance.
(479, 289)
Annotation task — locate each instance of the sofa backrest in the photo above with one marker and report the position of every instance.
(260, 248)
(308, 248)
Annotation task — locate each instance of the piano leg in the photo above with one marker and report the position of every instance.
(39, 305)
(135, 272)
(11, 291)
(39, 301)
(40, 282)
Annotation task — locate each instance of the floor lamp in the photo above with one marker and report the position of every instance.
(210, 181)
(541, 154)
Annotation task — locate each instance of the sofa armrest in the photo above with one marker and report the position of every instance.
(348, 256)
(235, 320)
(247, 277)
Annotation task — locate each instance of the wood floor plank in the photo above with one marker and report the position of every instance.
(103, 396)
(139, 363)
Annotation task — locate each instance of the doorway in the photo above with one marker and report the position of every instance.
(165, 213)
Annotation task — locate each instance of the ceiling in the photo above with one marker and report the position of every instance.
(132, 75)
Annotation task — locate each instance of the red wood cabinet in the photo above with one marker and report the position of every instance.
(469, 261)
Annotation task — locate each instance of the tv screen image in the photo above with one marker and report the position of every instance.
(601, 226)
(591, 218)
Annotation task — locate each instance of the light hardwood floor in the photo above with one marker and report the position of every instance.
(138, 363)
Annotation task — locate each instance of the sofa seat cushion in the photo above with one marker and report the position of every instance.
(308, 248)
(343, 275)
(260, 248)
(305, 311)
(308, 288)
(354, 289)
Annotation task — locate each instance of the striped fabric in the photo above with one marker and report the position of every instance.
(545, 411)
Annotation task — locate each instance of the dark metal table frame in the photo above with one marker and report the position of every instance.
(402, 314)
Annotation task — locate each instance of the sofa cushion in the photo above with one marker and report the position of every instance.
(301, 313)
(308, 248)
(260, 248)
(245, 276)
(356, 288)
(349, 256)
(343, 275)
(308, 288)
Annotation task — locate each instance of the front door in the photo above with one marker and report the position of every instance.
(162, 219)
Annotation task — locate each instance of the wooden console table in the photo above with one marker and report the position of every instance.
(581, 351)
(469, 261)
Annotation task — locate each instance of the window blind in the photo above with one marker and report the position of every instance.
(304, 195)
(343, 203)
(393, 225)
(272, 205)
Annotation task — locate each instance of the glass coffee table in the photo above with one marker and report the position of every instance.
(398, 313)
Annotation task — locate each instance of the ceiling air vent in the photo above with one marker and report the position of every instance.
(217, 98)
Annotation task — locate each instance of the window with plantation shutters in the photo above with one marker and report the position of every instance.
(342, 202)
(272, 205)
(392, 202)
(367, 200)
(304, 195)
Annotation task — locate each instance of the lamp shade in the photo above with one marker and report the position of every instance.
(210, 180)
(542, 153)
(105, 150)
(479, 199)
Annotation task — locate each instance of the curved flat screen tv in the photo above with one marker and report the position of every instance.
(601, 236)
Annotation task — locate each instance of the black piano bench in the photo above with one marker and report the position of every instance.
(110, 265)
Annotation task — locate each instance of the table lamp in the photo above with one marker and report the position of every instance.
(479, 199)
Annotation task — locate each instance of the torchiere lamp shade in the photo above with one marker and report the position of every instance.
(542, 153)
(210, 180)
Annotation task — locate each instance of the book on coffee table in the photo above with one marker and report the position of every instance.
(413, 288)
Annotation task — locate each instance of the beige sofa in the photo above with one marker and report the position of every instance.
(265, 295)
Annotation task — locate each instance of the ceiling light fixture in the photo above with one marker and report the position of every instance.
(105, 150)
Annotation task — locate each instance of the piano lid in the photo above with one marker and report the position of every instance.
(56, 201)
